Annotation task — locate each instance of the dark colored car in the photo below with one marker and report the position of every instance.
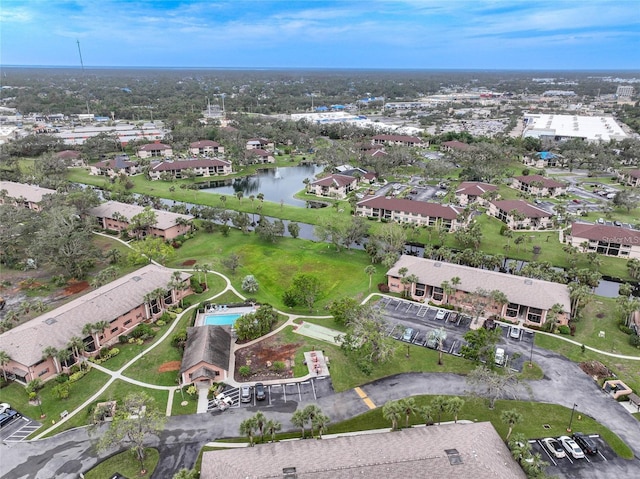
(587, 444)
(9, 416)
(260, 392)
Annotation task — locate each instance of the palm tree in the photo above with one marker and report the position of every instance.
(426, 413)
(88, 330)
(454, 406)
(299, 419)
(499, 298)
(239, 195)
(113, 255)
(4, 361)
(51, 352)
(98, 329)
(320, 422)
(511, 417)
(439, 404)
(63, 356)
(370, 270)
(77, 345)
(411, 280)
(247, 428)
(206, 267)
(409, 407)
(176, 283)
(272, 427)
(392, 411)
(311, 412)
(260, 421)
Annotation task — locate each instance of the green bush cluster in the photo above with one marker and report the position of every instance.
(564, 329)
(77, 376)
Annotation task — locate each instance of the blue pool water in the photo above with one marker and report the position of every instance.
(220, 319)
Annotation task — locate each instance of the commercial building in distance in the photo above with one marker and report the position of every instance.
(566, 127)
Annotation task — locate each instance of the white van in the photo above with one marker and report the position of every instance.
(499, 356)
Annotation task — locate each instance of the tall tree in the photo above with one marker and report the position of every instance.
(392, 411)
(409, 407)
(134, 421)
(454, 406)
(4, 361)
(370, 270)
(492, 385)
(510, 417)
(248, 428)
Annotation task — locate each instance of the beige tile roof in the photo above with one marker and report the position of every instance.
(545, 182)
(527, 209)
(31, 193)
(610, 234)
(165, 219)
(474, 188)
(25, 342)
(410, 453)
(401, 205)
(520, 290)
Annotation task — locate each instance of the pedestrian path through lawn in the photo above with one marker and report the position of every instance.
(322, 333)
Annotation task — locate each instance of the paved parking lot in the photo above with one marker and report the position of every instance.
(603, 464)
(280, 394)
(18, 430)
(423, 320)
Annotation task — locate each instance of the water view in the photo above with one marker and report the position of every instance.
(276, 184)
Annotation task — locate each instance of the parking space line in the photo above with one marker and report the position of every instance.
(547, 453)
(362, 395)
(299, 392)
(600, 454)
(313, 388)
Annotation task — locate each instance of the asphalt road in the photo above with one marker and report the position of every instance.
(67, 454)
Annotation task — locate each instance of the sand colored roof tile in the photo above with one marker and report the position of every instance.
(31, 193)
(545, 182)
(25, 342)
(164, 219)
(204, 144)
(523, 207)
(412, 453)
(335, 180)
(610, 234)
(518, 289)
(474, 188)
(433, 210)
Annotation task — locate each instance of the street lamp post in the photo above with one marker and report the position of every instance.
(533, 340)
(571, 419)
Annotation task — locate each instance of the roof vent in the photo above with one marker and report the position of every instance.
(136, 278)
(289, 473)
(437, 265)
(528, 282)
(50, 321)
(454, 456)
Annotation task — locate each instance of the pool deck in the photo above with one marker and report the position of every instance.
(222, 311)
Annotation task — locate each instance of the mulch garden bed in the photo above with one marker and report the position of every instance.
(261, 356)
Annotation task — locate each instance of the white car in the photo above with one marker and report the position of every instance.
(4, 406)
(499, 356)
(515, 332)
(571, 447)
(441, 314)
(554, 447)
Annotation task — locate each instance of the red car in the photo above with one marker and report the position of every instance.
(576, 201)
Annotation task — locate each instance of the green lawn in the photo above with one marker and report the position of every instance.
(535, 416)
(126, 464)
(177, 409)
(119, 389)
(274, 264)
(80, 391)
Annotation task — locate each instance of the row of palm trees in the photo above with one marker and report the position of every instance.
(395, 411)
(259, 424)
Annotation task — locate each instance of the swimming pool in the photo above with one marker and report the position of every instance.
(220, 319)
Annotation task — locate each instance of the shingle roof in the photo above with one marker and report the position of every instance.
(154, 147)
(119, 162)
(335, 180)
(164, 219)
(456, 145)
(523, 207)
(520, 290)
(611, 234)
(631, 173)
(25, 342)
(412, 453)
(184, 164)
(209, 344)
(474, 188)
(546, 182)
(258, 152)
(30, 193)
(204, 144)
(433, 210)
(68, 154)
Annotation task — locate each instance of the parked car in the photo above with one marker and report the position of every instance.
(587, 444)
(441, 314)
(576, 201)
(8, 416)
(554, 447)
(524, 456)
(515, 332)
(261, 394)
(4, 406)
(571, 447)
(408, 334)
(245, 394)
(499, 356)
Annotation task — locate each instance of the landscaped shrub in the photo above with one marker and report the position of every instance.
(383, 287)
(179, 339)
(195, 285)
(61, 391)
(62, 378)
(34, 385)
(142, 331)
(160, 322)
(278, 366)
(624, 328)
(77, 376)
(634, 340)
(75, 368)
(123, 338)
(563, 329)
(104, 353)
(244, 371)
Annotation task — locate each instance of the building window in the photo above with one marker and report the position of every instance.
(43, 372)
(512, 310)
(128, 321)
(534, 315)
(113, 330)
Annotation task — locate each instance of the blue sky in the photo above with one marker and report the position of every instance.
(391, 34)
